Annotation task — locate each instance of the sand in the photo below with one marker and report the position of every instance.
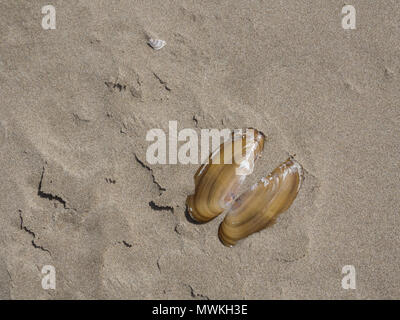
(76, 104)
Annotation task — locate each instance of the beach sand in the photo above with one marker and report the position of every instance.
(77, 102)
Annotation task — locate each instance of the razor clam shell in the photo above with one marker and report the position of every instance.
(156, 44)
(217, 184)
(258, 207)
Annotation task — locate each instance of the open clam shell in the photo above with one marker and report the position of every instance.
(258, 207)
(217, 181)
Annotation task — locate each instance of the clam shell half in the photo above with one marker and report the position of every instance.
(217, 182)
(258, 207)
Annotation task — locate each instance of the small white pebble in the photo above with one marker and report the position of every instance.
(156, 44)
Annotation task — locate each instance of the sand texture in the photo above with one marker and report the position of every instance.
(76, 104)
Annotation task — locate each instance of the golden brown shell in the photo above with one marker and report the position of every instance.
(217, 182)
(258, 207)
